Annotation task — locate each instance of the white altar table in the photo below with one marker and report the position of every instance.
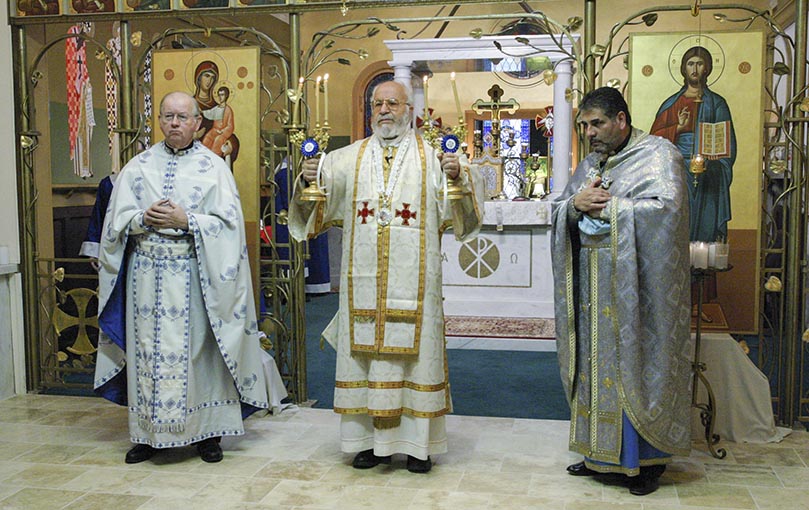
(506, 271)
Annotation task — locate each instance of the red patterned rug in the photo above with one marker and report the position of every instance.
(499, 327)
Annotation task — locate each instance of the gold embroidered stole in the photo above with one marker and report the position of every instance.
(386, 284)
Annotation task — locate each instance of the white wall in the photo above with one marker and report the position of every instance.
(12, 376)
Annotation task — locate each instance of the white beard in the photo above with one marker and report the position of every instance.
(390, 133)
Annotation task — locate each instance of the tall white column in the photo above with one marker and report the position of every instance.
(562, 127)
(403, 74)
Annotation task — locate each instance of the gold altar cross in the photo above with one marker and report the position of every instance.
(495, 107)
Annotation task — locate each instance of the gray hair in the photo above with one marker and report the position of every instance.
(408, 91)
(194, 106)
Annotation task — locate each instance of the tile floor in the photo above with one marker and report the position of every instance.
(67, 453)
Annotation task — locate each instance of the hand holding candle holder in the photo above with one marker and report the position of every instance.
(310, 147)
(314, 145)
(449, 142)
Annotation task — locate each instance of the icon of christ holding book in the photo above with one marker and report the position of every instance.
(697, 115)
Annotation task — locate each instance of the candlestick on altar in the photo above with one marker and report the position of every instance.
(326, 100)
(317, 102)
(426, 107)
(457, 99)
(298, 98)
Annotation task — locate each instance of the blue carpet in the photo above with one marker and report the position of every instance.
(483, 383)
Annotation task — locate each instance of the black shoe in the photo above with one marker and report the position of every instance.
(415, 465)
(366, 460)
(580, 469)
(209, 450)
(139, 453)
(642, 485)
(647, 481)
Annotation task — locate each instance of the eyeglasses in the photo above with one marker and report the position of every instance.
(393, 104)
(181, 117)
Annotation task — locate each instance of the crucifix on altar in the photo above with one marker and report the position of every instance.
(495, 106)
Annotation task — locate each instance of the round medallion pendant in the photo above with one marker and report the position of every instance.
(384, 217)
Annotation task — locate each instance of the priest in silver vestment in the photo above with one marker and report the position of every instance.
(621, 273)
(385, 191)
(179, 341)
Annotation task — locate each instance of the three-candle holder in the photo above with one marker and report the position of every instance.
(448, 141)
(310, 147)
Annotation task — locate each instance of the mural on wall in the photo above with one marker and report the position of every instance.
(146, 5)
(225, 83)
(703, 92)
(38, 7)
(203, 4)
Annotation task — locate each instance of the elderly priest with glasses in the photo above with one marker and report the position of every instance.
(179, 343)
(392, 389)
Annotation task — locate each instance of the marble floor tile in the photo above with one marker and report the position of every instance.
(224, 490)
(39, 499)
(45, 476)
(296, 493)
(742, 474)
(115, 481)
(305, 470)
(171, 485)
(371, 498)
(449, 500)
(765, 454)
(67, 453)
(792, 477)
(495, 483)
(715, 495)
(9, 451)
(107, 502)
(10, 468)
(53, 454)
(767, 498)
(562, 486)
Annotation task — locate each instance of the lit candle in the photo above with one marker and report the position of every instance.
(317, 102)
(426, 108)
(298, 99)
(326, 100)
(711, 254)
(457, 100)
(701, 255)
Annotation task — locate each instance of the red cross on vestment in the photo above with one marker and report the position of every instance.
(364, 212)
(406, 214)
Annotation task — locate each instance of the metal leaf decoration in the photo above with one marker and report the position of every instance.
(650, 19)
(574, 23)
(780, 69)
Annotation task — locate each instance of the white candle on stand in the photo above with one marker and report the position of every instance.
(457, 99)
(711, 254)
(426, 108)
(326, 99)
(317, 102)
(722, 250)
(297, 106)
(701, 255)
